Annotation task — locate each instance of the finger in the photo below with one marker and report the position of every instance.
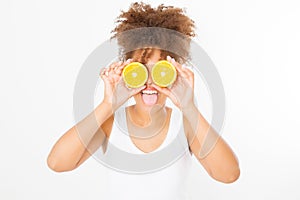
(168, 92)
(116, 69)
(102, 71)
(165, 91)
(119, 68)
(121, 83)
(187, 70)
(114, 64)
(188, 77)
(109, 72)
(137, 90)
(169, 58)
(178, 68)
(104, 76)
(183, 82)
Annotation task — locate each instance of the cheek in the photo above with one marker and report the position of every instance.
(162, 97)
(137, 97)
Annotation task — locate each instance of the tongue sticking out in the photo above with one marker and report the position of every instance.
(149, 99)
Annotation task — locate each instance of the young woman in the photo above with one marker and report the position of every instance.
(149, 116)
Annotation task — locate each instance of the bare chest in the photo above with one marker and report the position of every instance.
(151, 139)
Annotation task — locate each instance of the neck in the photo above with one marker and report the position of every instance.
(146, 116)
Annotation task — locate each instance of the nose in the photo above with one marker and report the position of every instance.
(149, 81)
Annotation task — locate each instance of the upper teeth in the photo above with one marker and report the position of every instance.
(149, 92)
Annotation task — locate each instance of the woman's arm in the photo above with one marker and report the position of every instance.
(75, 146)
(209, 148)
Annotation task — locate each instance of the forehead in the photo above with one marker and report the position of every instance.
(155, 56)
(147, 56)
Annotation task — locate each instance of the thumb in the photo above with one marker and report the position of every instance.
(137, 90)
(168, 93)
(165, 91)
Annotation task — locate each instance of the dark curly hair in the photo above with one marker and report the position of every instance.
(141, 15)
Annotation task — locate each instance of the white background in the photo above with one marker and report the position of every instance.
(254, 44)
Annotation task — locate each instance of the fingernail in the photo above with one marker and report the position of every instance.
(128, 61)
(168, 57)
(173, 60)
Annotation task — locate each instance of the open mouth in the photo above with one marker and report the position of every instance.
(149, 96)
(149, 92)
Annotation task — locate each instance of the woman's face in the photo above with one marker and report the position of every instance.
(149, 96)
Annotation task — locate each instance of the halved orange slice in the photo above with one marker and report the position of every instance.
(163, 73)
(135, 75)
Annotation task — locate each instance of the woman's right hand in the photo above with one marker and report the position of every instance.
(116, 93)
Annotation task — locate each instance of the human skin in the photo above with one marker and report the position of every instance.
(210, 149)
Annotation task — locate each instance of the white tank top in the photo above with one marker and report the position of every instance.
(127, 176)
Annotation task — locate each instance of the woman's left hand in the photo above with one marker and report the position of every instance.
(181, 92)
